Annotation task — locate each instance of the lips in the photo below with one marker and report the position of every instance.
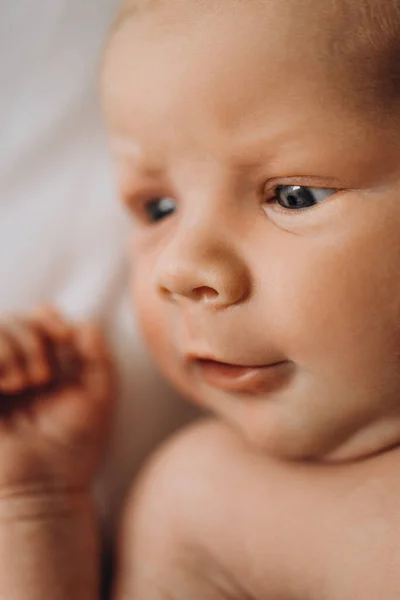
(242, 379)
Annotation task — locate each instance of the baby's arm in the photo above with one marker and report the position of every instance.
(48, 548)
(55, 408)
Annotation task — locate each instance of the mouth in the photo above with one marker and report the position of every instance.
(242, 379)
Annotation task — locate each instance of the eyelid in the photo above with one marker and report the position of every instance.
(135, 204)
(304, 181)
(140, 197)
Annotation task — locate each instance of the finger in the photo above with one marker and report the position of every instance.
(32, 350)
(49, 320)
(84, 405)
(12, 378)
(55, 334)
(97, 373)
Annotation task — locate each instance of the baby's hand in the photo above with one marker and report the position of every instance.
(56, 389)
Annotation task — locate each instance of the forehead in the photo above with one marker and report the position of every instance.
(236, 56)
(359, 42)
(273, 39)
(229, 80)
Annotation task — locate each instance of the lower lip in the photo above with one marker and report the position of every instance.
(243, 380)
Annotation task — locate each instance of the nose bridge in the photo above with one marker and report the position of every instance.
(201, 263)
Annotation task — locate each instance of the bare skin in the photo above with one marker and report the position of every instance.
(213, 520)
(264, 191)
(225, 271)
(56, 391)
(261, 172)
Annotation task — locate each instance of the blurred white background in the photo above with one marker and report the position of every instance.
(62, 233)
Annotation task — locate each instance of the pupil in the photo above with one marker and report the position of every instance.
(298, 197)
(157, 212)
(292, 200)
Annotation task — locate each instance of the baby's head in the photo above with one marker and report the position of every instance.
(257, 147)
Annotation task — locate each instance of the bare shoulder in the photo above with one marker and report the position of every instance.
(211, 519)
(195, 521)
(161, 554)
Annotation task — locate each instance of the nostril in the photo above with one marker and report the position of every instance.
(165, 292)
(204, 293)
(198, 294)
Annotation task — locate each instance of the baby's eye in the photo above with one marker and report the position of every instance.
(160, 208)
(296, 197)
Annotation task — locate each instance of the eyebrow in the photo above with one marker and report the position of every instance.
(122, 151)
(146, 171)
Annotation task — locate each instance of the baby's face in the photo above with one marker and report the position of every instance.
(266, 229)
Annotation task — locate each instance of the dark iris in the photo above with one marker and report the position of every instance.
(296, 197)
(160, 208)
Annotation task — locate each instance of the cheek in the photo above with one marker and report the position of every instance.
(157, 326)
(339, 304)
(145, 300)
(150, 314)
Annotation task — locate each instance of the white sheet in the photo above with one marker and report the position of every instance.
(62, 235)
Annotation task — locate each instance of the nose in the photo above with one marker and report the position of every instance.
(202, 270)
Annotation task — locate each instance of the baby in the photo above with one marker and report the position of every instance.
(257, 149)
